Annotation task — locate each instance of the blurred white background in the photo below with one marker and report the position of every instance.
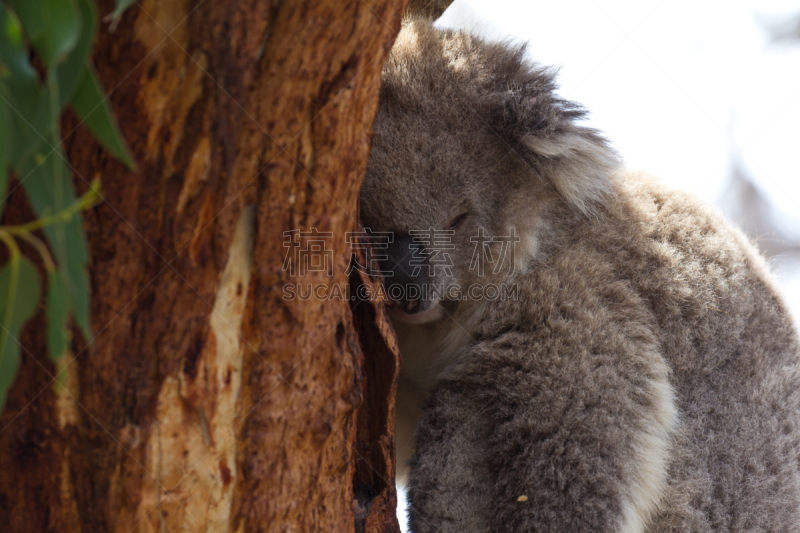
(704, 94)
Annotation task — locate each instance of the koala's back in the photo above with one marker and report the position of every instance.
(734, 360)
(735, 367)
(657, 279)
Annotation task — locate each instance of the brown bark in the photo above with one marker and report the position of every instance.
(207, 401)
(428, 8)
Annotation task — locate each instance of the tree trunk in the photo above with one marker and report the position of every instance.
(208, 400)
(432, 9)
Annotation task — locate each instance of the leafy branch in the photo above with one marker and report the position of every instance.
(45, 66)
(89, 199)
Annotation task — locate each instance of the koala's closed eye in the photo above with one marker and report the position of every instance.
(457, 221)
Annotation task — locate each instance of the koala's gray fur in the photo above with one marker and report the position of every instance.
(646, 378)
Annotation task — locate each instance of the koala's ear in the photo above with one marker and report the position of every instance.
(550, 138)
(579, 163)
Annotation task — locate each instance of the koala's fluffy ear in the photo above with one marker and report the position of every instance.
(579, 164)
(548, 135)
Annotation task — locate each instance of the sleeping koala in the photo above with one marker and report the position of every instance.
(584, 349)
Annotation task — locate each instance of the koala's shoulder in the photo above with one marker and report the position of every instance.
(657, 270)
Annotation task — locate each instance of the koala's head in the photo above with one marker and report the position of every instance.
(471, 144)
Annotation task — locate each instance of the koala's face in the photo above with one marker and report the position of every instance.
(470, 144)
(432, 183)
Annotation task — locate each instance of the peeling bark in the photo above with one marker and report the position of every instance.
(207, 401)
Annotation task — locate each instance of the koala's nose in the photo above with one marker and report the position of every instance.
(405, 286)
(400, 261)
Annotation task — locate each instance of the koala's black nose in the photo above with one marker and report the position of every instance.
(401, 260)
(409, 274)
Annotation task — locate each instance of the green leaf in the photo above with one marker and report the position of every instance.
(5, 149)
(11, 27)
(115, 15)
(28, 134)
(49, 189)
(12, 46)
(57, 315)
(29, 109)
(71, 71)
(93, 108)
(30, 13)
(53, 26)
(76, 273)
(47, 186)
(19, 295)
(15, 67)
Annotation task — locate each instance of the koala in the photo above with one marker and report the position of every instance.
(639, 372)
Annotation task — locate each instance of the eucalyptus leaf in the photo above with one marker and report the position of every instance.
(76, 273)
(12, 46)
(45, 175)
(28, 134)
(50, 190)
(19, 297)
(71, 71)
(40, 185)
(30, 13)
(53, 26)
(16, 70)
(93, 108)
(5, 149)
(29, 109)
